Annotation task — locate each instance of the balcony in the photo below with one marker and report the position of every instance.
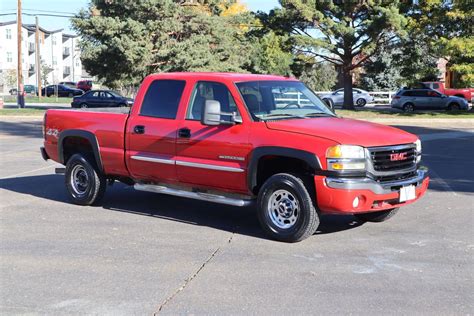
(66, 71)
(31, 48)
(66, 52)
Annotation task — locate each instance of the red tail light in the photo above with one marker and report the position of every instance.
(396, 97)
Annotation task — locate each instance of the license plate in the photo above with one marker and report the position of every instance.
(407, 193)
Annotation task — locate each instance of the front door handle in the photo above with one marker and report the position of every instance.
(184, 133)
(139, 129)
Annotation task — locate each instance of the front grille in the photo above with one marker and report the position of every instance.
(396, 177)
(382, 158)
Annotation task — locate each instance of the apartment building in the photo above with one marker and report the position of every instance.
(59, 53)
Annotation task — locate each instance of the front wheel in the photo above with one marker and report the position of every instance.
(85, 184)
(361, 102)
(285, 209)
(454, 107)
(377, 217)
(329, 103)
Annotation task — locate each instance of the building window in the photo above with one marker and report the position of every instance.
(9, 57)
(9, 34)
(78, 64)
(55, 61)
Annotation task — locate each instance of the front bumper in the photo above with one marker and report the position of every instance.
(336, 195)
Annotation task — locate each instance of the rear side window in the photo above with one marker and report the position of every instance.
(162, 98)
(408, 93)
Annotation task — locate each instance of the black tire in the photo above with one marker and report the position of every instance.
(307, 218)
(121, 105)
(409, 108)
(93, 189)
(329, 102)
(361, 102)
(377, 217)
(83, 105)
(454, 107)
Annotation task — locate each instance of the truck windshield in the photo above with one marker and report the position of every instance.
(281, 100)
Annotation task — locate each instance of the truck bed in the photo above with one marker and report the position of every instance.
(107, 125)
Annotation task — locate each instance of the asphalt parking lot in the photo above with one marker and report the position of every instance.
(143, 253)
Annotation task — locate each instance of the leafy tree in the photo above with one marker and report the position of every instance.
(123, 41)
(319, 76)
(345, 33)
(269, 56)
(383, 73)
(11, 78)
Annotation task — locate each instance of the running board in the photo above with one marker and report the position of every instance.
(192, 195)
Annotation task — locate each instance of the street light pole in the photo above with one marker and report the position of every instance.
(20, 96)
(38, 58)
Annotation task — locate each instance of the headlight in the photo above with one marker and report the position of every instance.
(418, 150)
(345, 151)
(345, 157)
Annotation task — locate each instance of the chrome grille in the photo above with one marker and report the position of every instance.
(385, 158)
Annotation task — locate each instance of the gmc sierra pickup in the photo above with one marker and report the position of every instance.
(240, 139)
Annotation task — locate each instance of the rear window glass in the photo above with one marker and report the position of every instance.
(162, 98)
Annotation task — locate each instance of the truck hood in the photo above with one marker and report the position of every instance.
(345, 131)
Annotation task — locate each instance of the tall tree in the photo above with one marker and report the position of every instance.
(345, 33)
(123, 41)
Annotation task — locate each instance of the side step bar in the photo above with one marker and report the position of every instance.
(192, 195)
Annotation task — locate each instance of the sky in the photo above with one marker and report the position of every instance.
(69, 7)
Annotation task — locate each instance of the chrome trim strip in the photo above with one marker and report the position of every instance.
(151, 159)
(388, 148)
(374, 186)
(207, 166)
(193, 195)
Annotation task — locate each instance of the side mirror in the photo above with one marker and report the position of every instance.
(444, 96)
(212, 113)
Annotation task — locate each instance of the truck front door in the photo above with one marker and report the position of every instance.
(212, 156)
(151, 132)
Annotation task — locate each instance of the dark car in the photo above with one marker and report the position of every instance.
(100, 99)
(61, 91)
(85, 85)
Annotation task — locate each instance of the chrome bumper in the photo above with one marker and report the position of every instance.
(374, 186)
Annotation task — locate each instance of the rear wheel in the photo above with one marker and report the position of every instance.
(377, 217)
(84, 105)
(409, 107)
(285, 208)
(361, 102)
(85, 184)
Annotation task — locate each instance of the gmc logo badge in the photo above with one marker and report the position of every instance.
(398, 156)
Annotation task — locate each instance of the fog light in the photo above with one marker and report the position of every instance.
(355, 203)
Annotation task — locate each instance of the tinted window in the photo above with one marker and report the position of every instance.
(435, 86)
(420, 93)
(162, 98)
(204, 91)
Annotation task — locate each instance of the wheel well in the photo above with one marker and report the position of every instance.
(459, 96)
(77, 145)
(270, 165)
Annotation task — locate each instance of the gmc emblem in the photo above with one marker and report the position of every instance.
(398, 156)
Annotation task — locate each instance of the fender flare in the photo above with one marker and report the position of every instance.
(310, 158)
(83, 134)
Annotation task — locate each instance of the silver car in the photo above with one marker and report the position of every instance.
(426, 99)
(361, 97)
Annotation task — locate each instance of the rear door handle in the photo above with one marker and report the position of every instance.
(139, 129)
(184, 133)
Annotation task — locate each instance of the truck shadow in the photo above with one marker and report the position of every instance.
(121, 198)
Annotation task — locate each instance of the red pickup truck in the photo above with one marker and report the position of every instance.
(466, 93)
(240, 139)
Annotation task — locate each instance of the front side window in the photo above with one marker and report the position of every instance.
(207, 90)
(281, 99)
(162, 98)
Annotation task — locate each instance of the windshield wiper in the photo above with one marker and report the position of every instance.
(317, 114)
(280, 115)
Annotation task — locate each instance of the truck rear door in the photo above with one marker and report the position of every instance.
(151, 132)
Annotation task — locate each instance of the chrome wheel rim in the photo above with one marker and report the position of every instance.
(361, 102)
(283, 209)
(409, 108)
(84, 106)
(79, 180)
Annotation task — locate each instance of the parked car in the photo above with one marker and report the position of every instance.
(28, 89)
(409, 100)
(225, 138)
(101, 99)
(466, 93)
(60, 90)
(361, 97)
(70, 84)
(84, 85)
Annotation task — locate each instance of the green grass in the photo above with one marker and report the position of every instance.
(35, 99)
(389, 114)
(22, 112)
